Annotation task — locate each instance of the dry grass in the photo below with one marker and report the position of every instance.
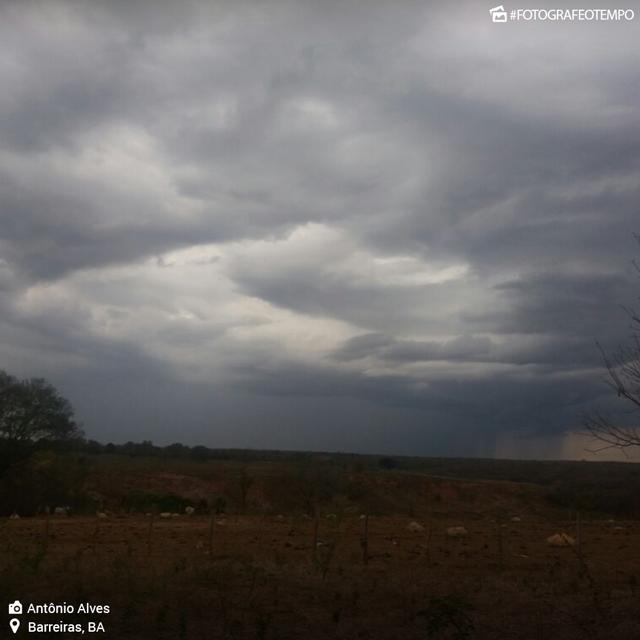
(268, 577)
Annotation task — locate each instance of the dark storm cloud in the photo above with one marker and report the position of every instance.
(461, 348)
(74, 72)
(554, 350)
(458, 408)
(238, 216)
(512, 188)
(371, 306)
(566, 304)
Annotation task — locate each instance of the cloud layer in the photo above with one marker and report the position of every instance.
(306, 225)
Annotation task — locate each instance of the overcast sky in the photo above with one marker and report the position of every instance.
(357, 226)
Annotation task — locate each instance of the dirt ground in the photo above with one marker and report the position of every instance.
(280, 577)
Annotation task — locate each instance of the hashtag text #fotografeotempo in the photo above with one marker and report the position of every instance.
(572, 15)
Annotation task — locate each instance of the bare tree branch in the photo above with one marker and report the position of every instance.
(623, 369)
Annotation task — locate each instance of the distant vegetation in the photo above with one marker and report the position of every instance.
(88, 475)
(45, 461)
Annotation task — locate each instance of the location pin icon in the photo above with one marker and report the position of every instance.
(14, 623)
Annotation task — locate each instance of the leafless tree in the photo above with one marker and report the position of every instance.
(623, 369)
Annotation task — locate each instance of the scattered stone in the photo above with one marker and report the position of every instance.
(560, 540)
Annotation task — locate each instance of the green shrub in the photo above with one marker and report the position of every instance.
(138, 500)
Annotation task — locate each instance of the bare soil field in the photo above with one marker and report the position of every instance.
(335, 576)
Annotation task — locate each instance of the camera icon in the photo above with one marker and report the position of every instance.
(15, 608)
(498, 14)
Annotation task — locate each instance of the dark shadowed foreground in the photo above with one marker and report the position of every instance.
(283, 549)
